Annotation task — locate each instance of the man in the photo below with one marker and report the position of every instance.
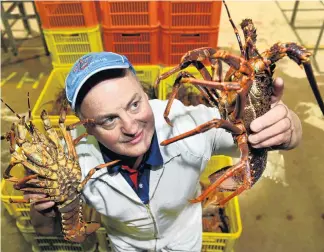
(144, 200)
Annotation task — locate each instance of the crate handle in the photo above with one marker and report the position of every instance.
(71, 35)
(140, 72)
(191, 35)
(131, 35)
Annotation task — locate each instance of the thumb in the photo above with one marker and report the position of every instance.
(277, 89)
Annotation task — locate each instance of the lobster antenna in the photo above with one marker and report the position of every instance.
(235, 30)
(31, 126)
(29, 111)
(14, 113)
(11, 109)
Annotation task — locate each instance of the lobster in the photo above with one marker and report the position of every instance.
(51, 170)
(243, 95)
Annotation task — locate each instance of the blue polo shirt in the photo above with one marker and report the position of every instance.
(138, 179)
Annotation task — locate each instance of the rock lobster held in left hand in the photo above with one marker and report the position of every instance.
(51, 170)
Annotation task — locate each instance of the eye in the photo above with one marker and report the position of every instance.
(135, 106)
(108, 121)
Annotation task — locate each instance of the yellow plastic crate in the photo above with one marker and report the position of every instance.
(219, 242)
(48, 99)
(16, 210)
(224, 242)
(103, 241)
(40, 243)
(147, 76)
(214, 164)
(165, 86)
(68, 45)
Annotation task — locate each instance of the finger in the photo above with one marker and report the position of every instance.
(277, 89)
(34, 196)
(43, 206)
(276, 140)
(276, 129)
(274, 115)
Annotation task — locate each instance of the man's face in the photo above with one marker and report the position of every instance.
(123, 116)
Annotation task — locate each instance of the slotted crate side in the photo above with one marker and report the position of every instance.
(129, 14)
(215, 163)
(189, 14)
(67, 14)
(51, 99)
(16, 210)
(165, 86)
(67, 45)
(103, 240)
(41, 243)
(224, 242)
(147, 76)
(177, 42)
(140, 46)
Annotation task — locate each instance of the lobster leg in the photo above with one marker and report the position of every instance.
(18, 185)
(10, 136)
(82, 122)
(215, 123)
(208, 94)
(92, 171)
(300, 55)
(33, 200)
(67, 137)
(52, 134)
(78, 139)
(243, 165)
(29, 180)
(51, 191)
(47, 173)
(174, 92)
(176, 69)
(184, 77)
(15, 159)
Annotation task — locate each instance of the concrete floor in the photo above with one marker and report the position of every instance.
(280, 217)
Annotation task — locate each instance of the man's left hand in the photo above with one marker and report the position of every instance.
(279, 128)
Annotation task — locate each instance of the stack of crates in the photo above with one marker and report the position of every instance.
(186, 25)
(131, 28)
(71, 29)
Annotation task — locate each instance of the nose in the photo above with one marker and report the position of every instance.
(130, 125)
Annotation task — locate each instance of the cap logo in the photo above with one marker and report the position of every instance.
(82, 64)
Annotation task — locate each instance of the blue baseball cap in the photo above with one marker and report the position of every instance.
(87, 66)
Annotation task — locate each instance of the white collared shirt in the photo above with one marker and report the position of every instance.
(169, 221)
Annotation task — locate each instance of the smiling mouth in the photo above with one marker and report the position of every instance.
(138, 137)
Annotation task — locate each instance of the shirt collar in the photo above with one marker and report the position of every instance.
(153, 155)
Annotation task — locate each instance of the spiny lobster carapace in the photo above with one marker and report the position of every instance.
(51, 170)
(243, 95)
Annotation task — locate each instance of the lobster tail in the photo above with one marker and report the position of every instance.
(73, 226)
